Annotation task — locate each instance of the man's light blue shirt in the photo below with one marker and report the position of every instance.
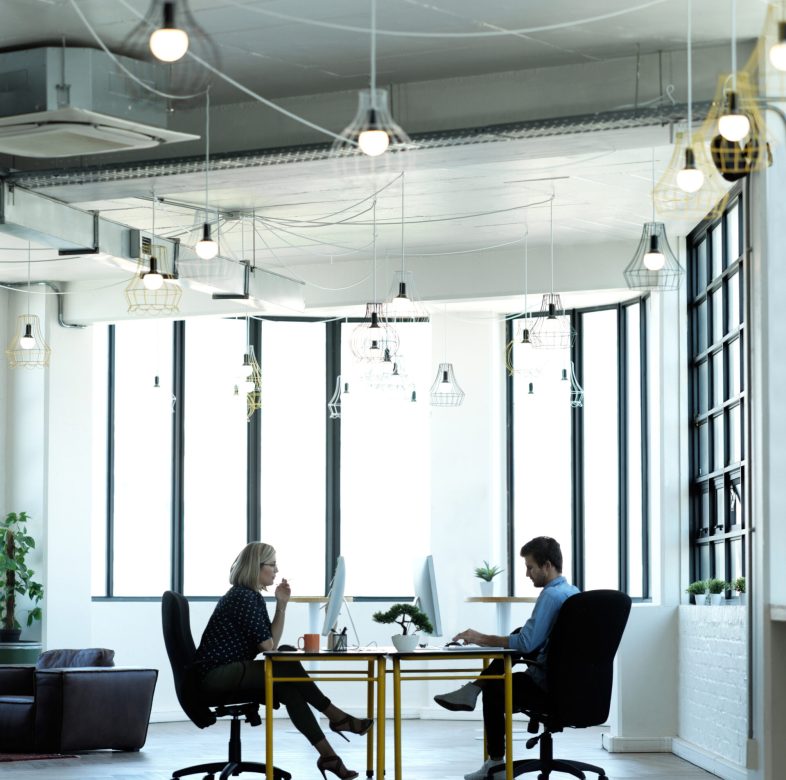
(534, 634)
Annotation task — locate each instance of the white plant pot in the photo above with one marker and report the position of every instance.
(405, 643)
(743, 599)
(486, 588)
(700, 599)
(717, 599)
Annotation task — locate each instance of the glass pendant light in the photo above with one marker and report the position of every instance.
(373, 129)
(733, 124)
(690, 178)
(169, 43)
(777, 52)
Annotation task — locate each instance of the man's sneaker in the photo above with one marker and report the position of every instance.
(462, 700)
(480, 774)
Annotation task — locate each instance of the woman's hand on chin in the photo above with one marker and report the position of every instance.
(283, 592)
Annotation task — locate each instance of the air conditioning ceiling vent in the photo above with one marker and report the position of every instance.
(67, 102)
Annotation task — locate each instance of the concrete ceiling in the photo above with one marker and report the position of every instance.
(474, 198)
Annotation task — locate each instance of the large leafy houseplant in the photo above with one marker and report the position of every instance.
(16, 578)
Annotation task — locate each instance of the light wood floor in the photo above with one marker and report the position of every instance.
(433, 750)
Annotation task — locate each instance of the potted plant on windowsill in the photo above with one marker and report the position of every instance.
(698, 590)
(407, 616)
(16, 579)
(717, 589)
(739, 589)
(486, 574)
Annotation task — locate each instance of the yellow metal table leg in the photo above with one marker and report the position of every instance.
(381, 674)
(269, 720)
(370, 714)
(397, 714)
(508, 718)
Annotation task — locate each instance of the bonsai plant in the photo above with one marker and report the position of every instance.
(739, 588)
(717, 589)
(16, 578)
(407, 616)
(486, 574)
(698, 590)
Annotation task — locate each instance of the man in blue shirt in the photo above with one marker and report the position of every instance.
(543, 558)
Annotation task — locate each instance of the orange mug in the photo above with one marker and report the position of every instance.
(309, 643)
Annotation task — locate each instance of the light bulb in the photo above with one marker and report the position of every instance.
(152, 279)
(733, 125)
(401, 305)
(206, 248)
(246, 369)
(27, 341)
(654, 259)
(690, 178)
(373, 142)
(169, 43)
(778, 50)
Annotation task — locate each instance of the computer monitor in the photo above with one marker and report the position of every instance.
(426, 592)
(335, 597)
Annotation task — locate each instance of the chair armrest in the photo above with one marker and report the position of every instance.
(17, 680)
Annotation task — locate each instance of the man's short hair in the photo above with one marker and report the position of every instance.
(542, 549)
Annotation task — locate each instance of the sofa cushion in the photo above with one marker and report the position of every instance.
(89, 656)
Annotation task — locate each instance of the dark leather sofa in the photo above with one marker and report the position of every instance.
(74, 709)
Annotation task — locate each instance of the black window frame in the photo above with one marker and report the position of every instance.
(577, 448)
(718, 506)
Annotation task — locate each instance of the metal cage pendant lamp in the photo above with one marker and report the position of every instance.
(552, 330)
(27, 348)
(445, 390)
(152, 288)
(373, 130)
(519, 353)
(654, 265)
(374, 339)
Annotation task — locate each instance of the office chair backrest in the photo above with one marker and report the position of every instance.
(181, 651)
(581, 652)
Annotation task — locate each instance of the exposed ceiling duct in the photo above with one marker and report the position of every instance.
(61, 102)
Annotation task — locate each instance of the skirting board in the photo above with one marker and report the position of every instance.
(708, 761)
(636, 744)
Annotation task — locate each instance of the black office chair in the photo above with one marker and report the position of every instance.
(579, 674)
(181, 651)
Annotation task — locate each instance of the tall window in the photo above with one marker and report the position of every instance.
(142, 473)
(578, 471)
(386, 465)
(292, 456)
(214, 454)
(718, 403)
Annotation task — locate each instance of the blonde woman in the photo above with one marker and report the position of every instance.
(239, 629)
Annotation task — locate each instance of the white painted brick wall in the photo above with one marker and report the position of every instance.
(713, 672)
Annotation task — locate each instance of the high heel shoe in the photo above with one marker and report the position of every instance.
(335, 765)
(352, 725)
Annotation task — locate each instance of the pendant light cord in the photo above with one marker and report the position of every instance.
(374, 243)
(526, 275)
(690, 74)
(653, 184)
(207, 148)
(734, 45)
(373, 47)
(29, 261)
(402, 227)
(551, 232)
